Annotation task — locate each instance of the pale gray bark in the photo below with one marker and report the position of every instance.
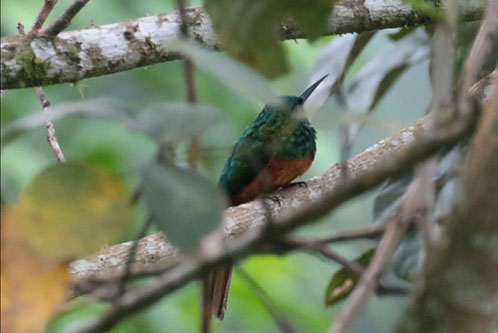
(29, 61)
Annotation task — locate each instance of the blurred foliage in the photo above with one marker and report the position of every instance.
(173, 122)
(249, 30)
(67, 212)
(230, 72)
(97, 133)
(81, 205)
(183, 204)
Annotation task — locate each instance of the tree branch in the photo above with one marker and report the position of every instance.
(29, 61)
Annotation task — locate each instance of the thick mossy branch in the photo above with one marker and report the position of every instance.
(29, 61)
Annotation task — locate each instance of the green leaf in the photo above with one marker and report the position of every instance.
(380, 74)
(344, 280)
(98, 108)
(183, 204)
(233, 74)
(249, 30)
(170, 122)
(374, 80)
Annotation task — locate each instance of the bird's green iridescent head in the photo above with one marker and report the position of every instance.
(292, 103)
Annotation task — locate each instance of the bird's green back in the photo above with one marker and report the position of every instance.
(282, 132)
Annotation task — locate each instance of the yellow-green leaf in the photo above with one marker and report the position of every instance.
(72, 210)
(344, 280)
(32, 286)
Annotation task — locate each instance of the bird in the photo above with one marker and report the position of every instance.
(276, 148)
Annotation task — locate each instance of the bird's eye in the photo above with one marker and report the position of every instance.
(300, 101)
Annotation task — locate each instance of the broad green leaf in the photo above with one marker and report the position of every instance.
(99, 108)
(170, 122)
(249, 30)
(183, 204)
(378, 76)
(344, 280)
(334, 115)
(233, 74)
(373, 81)
(71, 210)
(335, 60)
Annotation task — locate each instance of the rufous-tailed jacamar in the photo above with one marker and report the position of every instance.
(276, 148)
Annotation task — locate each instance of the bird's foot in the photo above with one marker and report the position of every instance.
(273, 198)
(296, 184)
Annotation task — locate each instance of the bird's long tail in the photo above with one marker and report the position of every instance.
(215, 295)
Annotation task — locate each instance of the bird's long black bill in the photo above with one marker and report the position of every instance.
(312, 88)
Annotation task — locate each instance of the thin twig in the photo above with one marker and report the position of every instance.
(327, 252)
(283, 323)
(442, 106)
(45, 103)
(482, 46)
(48, 5)
(20, 28)
(51, 136)
(194, 146)
(65, 19)
(369, 280)
(349, 235)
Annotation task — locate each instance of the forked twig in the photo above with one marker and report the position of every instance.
(45, 103)
(65, 19)
(49, 123)
(48, 5)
